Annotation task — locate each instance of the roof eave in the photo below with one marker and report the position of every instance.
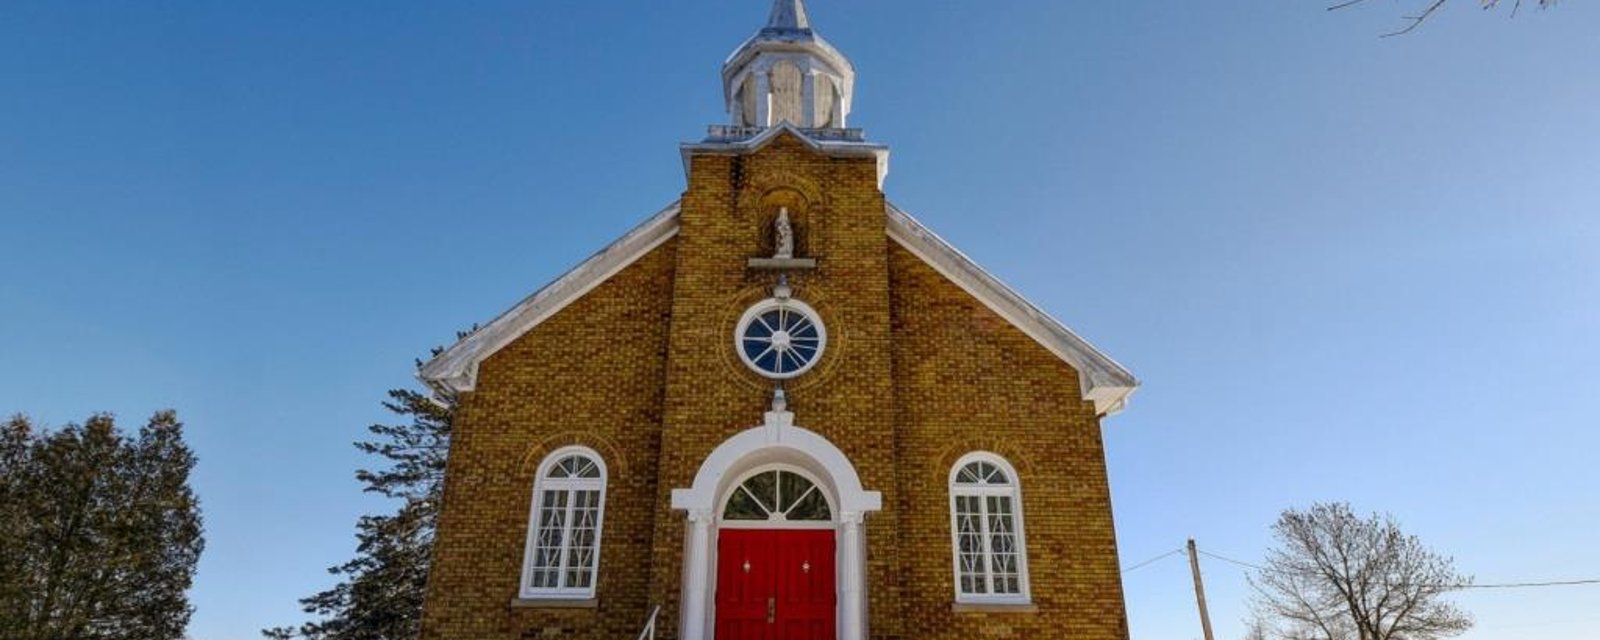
(455, 370)
(1105, 383)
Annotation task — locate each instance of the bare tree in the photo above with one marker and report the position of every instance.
(1336, 576)
(1257, 630)
(1427, 10)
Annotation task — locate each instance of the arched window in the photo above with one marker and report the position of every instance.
(824, 102)
(991, 563)
(563, 552)
(747, 100)
(777, 495)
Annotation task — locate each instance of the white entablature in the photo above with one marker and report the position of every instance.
(786, 72)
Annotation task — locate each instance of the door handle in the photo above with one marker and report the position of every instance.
(772, 610)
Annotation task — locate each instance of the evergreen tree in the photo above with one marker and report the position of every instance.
(99, 532)
(380, 594)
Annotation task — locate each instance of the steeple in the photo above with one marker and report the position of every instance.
(786, 72)
(788, 15)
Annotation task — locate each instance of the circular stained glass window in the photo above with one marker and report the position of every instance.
(780, 338)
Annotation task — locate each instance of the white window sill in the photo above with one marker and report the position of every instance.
(555, 603)
(994, 607)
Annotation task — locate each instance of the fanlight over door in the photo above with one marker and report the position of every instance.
(778, 496)
(777, 561)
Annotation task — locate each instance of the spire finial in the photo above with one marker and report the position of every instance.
(787, 72)
(788, 15)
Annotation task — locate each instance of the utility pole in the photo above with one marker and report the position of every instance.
(1199, 590)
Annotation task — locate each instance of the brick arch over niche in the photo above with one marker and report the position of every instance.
(758, 203)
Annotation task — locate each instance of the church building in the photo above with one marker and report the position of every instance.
(781, 408)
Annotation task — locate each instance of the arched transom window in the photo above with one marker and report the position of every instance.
(991, 563)
(778, 495)
(563, 551)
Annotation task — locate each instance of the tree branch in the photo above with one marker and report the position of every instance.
(1417, 20)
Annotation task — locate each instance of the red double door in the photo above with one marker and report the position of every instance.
(775, 585)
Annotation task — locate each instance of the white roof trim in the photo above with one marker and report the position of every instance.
(1105, 382)
(456, 369)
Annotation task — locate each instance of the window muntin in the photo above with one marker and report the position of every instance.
(986, 531)
(563, 550)
(780, 338)
(777, 495)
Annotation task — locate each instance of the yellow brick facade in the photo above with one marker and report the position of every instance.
(643, 370)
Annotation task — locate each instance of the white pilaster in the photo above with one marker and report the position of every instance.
(698, 562)
(763, 97)
(852, 597)
(736, 105)
(808, 98)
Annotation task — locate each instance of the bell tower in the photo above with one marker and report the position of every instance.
(786, 72)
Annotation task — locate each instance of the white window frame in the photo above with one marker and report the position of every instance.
(793, 306)
(1013, 490)
(541, 484)
(778, 523)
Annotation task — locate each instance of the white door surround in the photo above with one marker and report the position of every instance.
(778, 442)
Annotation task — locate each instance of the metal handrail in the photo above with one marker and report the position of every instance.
(649, 632)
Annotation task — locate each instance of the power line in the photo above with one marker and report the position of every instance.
(1519, 585)
(1154, 560)
(1237, 562)
(1503, 585)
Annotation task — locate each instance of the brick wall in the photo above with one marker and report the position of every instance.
(966, 380)
(838, 214)
(642, 369)
(590, 375)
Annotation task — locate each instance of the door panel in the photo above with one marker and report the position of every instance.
(745, 580)
(776, 585)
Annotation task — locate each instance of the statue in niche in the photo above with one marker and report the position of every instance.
(782, 236)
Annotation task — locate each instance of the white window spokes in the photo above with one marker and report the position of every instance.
(780, 496)
(987, 531)
(780, 339)
(564, 534)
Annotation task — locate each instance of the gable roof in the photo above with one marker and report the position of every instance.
(455, 369)
(1105, 383)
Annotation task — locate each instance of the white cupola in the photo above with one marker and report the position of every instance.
(788, 73)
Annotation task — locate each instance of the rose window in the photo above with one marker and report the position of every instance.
(780, 338)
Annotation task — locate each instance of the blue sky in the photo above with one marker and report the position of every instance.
(1345, 267)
